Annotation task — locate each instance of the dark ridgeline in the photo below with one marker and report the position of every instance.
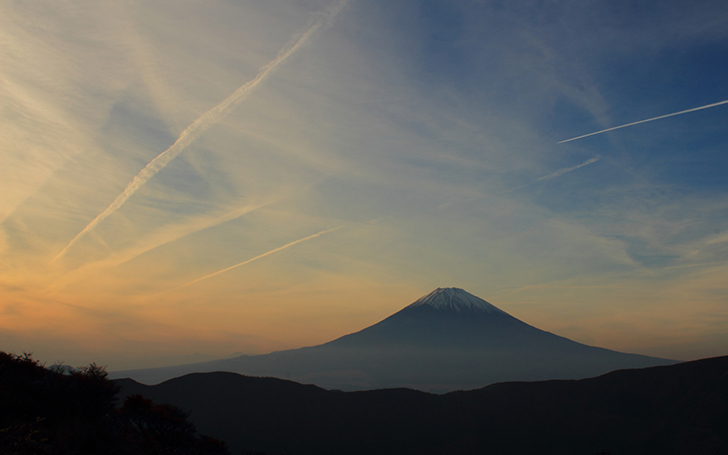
(447, 340)
(677, 409)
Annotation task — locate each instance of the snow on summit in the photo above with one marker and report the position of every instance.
(455, 299)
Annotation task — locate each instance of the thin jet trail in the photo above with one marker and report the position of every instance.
(204, 122)
(280, 248)
(556, 173)
(563, 171)
(645, 121)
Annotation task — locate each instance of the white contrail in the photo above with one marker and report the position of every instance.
(568, 169)
(555, 174)
(170, 234)
(280, 248)
(645, 121)
(206, 120)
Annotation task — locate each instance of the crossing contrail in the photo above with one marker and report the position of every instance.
(204, 122)
(280, 248)
(645, 121)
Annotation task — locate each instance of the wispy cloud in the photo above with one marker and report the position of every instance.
(260, 256)
(645, 121)
(178, 232)
(555, 174)
(170, 234)
(204, 122)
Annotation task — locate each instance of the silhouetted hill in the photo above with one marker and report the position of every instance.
(447, 340)
(677, 409)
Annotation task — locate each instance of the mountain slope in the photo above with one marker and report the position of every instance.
(446, 340)
(673, 409)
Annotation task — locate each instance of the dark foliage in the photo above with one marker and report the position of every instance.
(61, 410)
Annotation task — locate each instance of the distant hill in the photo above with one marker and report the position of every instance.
(677, 409)
(447, 340)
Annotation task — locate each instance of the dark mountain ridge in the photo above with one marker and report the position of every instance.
(444, 341)
(674, 409)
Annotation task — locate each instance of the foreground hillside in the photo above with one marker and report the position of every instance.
(677, 409)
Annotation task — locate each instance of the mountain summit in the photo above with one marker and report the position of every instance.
(454, 299)
(446, 340)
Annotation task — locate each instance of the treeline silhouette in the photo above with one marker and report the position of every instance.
(61, 410)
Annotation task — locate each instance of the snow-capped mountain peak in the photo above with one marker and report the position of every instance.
(455, 299)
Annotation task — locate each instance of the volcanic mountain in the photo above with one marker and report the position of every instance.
(446, 340)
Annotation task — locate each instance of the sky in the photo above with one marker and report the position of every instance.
(188, 180)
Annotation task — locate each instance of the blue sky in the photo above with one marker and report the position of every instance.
(382, 150)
